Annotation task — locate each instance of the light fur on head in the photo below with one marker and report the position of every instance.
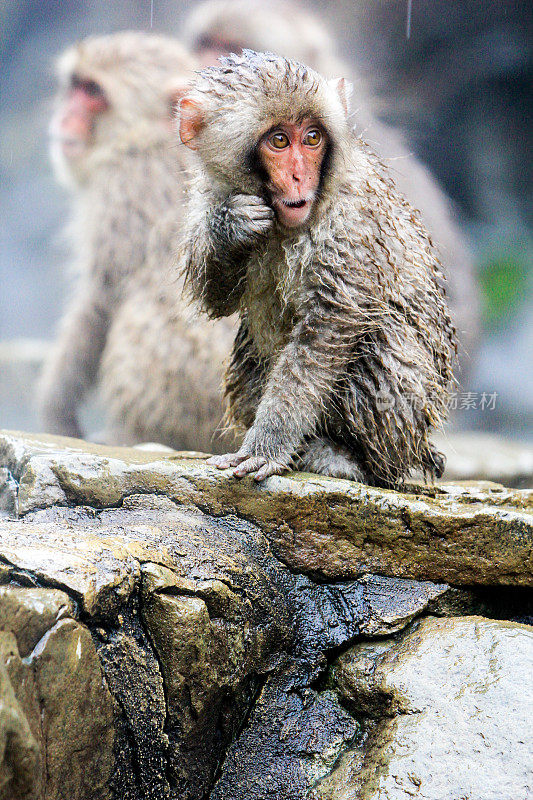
(250, 93)
(280, 26)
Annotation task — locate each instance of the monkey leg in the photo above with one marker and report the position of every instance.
(325, 457)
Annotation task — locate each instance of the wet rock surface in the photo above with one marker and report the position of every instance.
(57, 741)
(447, 693)
(473, 533)
(168, 632)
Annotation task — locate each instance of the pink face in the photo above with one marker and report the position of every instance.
(292, 156)
(74, 124)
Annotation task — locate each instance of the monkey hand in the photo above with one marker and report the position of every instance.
(247, 463)
(246, 218)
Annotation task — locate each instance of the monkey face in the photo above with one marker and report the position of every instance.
(269, 127)
(73, 126)
(210, 48)
(292, 155)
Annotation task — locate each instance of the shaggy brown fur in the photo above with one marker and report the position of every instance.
(286, 28)
(159, 371)
(344, 355)
(162, 370)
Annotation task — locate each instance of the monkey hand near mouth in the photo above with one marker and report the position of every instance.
(241, 220)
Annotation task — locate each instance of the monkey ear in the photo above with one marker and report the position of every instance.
(176, 90)
(344, 90)
(191, 121)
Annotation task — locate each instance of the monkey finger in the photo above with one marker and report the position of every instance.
(251, 200)
(221, 462)
(263, 212)
(246, 203)
(262, 225)
(260, 215)
(249, 465)
(270, 468)
(245, 200)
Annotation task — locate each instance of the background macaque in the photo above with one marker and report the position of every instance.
(162, 369)
(114, 143)
(218, 27)
(343, 357)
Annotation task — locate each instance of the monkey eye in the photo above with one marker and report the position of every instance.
(313, 138)
(279, 140)
(92, 88)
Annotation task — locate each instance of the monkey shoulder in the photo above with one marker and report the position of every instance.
(386, 233)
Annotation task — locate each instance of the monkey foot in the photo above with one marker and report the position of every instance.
(246, 465)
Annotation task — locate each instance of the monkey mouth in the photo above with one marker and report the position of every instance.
(292, 213)
(294, 203)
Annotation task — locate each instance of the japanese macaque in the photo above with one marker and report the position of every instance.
(114, 143)
(218, 27)
(343, 359)
(162, 370)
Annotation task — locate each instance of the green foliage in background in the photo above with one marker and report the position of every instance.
(504, 276)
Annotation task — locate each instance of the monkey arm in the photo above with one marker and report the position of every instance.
(219, 244)
(112, 242)
(245, 379)
(298, 390)
(74, 364)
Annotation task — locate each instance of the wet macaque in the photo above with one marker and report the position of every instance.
(113, 142)
(284, 27)
(343, 359)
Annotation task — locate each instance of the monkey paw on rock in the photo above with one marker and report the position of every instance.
(246, 464)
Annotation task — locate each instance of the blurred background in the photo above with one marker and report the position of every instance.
(459, 88)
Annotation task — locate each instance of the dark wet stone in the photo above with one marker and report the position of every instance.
(293, 739)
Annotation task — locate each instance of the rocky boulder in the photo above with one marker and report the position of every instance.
(447, 709)
(335, 529)
(169, 632)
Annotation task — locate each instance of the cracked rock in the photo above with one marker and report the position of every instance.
(208, 643)
(170, 633)
(22, 767)
(472, 534)
(56, 718)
